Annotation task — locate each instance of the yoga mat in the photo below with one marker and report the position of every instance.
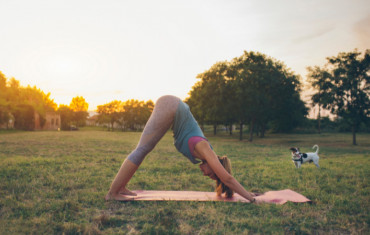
(276, 197)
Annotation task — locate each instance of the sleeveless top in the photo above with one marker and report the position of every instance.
(184, 127)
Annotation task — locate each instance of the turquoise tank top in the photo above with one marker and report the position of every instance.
(184, 127)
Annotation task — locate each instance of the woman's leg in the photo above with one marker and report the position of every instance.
(158, 124)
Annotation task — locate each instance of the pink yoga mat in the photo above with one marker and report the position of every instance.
(276, 197)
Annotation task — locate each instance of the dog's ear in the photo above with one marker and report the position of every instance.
(293, 149)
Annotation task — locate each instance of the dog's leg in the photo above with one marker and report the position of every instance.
(316, 162)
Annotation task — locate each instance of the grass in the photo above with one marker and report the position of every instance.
(54, 183)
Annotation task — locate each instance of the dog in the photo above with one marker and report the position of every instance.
(300, 158)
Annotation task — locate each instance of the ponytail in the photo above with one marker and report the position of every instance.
(220, 186)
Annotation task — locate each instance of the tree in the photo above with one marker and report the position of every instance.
(145, 110)
(131, 114)
(265, 91)
(79, 106)
(4, 103)
(289, 111)
(48, 102)
(251, 89)
(214, 101)
(347, 91)
(2, 82)
(66, 116)
(196, 105)
(20, 102)
(35, 97)
(110, 112)
(319, 78)
(24, 115)
(136, 113)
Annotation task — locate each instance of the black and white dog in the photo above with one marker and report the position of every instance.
(300, 158)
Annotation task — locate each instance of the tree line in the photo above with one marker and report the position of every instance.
(251, 90)
(126, 115)
(20, 104)
(263, 93)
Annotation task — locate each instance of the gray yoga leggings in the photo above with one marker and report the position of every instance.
(158, 124)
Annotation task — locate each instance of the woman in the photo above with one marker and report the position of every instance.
(189, 140)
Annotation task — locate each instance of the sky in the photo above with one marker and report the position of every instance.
(107, 50)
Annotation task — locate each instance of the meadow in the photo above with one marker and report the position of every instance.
(54, 183)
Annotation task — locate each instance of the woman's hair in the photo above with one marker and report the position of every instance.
(221, 187)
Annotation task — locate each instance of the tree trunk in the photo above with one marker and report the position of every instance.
(263, 129)
(319, 119)
(231, 129)
(354, 136)
(214, 129)
(251, 131)
(241, 132)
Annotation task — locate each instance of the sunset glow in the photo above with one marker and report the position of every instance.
(118, 50)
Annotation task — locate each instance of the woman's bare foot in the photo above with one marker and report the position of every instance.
(125, 191)
(117, 197)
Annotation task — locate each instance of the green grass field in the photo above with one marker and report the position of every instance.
(54, 183)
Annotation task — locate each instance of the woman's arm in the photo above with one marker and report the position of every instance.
(204, 152)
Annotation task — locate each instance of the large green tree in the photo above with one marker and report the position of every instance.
(22, 103)
(265, 92)
(214, 100)
(251, 89)
(345, 86)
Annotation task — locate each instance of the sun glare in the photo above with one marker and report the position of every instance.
(66, 63)
(62, 65)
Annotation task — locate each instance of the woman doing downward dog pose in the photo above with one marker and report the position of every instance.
(188, 139)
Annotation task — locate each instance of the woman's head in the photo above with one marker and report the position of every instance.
(220, 186)
(207, 170)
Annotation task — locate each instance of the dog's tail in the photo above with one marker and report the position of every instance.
(317, 148)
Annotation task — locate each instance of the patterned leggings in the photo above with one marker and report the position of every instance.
(159, 123)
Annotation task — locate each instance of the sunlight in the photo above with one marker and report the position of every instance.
(62, 65)
(66, 64)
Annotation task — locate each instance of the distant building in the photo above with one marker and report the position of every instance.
(52, 122)
(92, 121)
